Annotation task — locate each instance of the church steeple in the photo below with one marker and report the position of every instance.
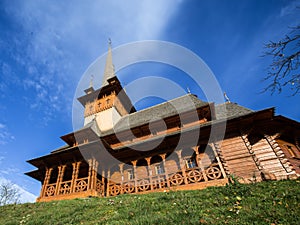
(90, 89)
(108, 103)
(109, 71)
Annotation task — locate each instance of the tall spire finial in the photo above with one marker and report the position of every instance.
(91, 81)
(109, 70)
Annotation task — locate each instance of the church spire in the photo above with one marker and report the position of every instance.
(109, 71)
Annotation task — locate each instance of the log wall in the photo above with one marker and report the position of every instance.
(237, 159)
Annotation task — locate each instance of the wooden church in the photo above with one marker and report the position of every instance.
(121, 151)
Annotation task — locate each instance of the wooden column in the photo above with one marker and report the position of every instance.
(148, 159)
(108, 181)
(76, 166)
(181, 165)
(92, 176)
(90, 162)
(103, 182)
(46, 181)
(163, 156)
(61, 170)
(135, 176)
(121, 166)
(94, 170)
(199, 164)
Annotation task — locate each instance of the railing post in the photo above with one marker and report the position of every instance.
(108, 181)
(163, 156)
(135, 176)
(148, 159)
(46, 181)
(76, 166)
(199, 164)
(61, 170)
(121, 166)
(103, 182)
(181, 165)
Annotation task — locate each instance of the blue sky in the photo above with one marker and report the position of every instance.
(47, 46)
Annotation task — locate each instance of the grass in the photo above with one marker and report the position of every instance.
(276, 202)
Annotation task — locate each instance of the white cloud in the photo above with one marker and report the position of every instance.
(290, 8)
(5, 135)
(58, 41)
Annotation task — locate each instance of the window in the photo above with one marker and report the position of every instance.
(190, 163)
(130, 174)
(99, 104)
(107, 101)
(292, 153)
(159, 169)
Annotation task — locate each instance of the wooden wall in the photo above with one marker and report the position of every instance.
(238, 160)
(292, 153)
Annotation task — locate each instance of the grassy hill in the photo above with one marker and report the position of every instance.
(261, 203)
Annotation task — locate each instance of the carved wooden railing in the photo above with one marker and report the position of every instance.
(81, 184)
(196, 175)
(50, 190)
(186, 177)
(65, 187)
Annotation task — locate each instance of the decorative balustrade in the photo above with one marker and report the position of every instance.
(186, 177)
(182, 177)
(50, 190)
(80, 185)
(65, 187)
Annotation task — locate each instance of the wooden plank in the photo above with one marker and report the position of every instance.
(228, 142)
(261, 144)
(271, 162)
(238, 156)
(273, 167)
(242, 151)
(244, 171)
(266, 158)
(246, 167)
(263, 150)
(234, 148)
(241, 160)
(264, 154)
(237, 145)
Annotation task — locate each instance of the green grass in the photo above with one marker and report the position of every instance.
(261, 203)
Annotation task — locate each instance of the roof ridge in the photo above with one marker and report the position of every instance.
(165, 102)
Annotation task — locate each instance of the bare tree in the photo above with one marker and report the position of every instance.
(9, 194)
(284, 71)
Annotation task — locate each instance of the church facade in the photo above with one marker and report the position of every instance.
(121, 151)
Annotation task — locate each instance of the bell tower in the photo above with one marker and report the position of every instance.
(110, 102)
